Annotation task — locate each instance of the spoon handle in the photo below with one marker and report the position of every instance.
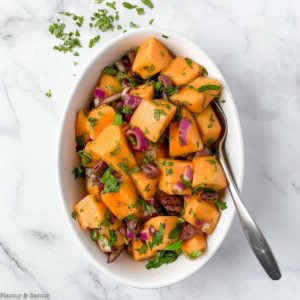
(253, 234)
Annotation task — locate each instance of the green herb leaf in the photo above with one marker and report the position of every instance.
(129, 5)
(94, 235)
(110, 70)
(133, 25)
(92, 121)
(160, 258)
(174, 247)
(169, 171)
(189, 62)
(148, 3)
(204, 71)
(140, 10)
(143, 249)
(78, 172)
(93, 41)
(48, 94)
(151, 21)
(194, 254)
(117, 119)
(165, 36)
(171, 90)
(220, 204)
(86, 158)
(158, 238)
(77, 19)
(175, 233)
(208, 87)
(111, 184)
(74, 215)
(116, 150)
(158, 113)
(102, 20)
(112, 237)
(111, 5)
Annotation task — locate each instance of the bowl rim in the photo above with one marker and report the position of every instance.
(240, 179)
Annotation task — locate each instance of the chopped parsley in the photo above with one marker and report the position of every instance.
(74, 215)
(111, 5)
(174, 247)
(94, 235)
(158, 113)
(94, 41)
(158, 237)
(135, 169)
(116, 150)
(106, 222)
(147, 158)
(118, 120)
(129, 5)
(86, 158)
(165, 36)
(169, 171)
(194, 254)
(148, 3)
(110, 70)
(171, 90)
(133, 25)
(111, 184)
(211, 121)
(189, 62)
(102, 20)
(77, 19)
(160, 258)
(174, 234)
(150, 68)
(48, 94)
(92, 121)
(151, 21)
(80, 141)
(220, 204)
(78, 172)
(143, 249)
(145, 206)
(166, 163)
(204, 71)
(140, 11)
(112, 237)
(124, 166)
(208, 87)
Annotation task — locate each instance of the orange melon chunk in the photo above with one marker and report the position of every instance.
(110, 84)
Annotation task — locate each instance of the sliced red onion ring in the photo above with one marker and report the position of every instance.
(184, 126)
(188, 232)
(150, 170)
(204, 152)
(132, 101)
(150, 201)
(152, 230)
(125, 82)
(129, 235)
(116, 251)
(140, 142)
(209, 195)
(111, 98)
(178, 187)
(144, 236)
(119, 105)
(125, 91)
(165, 80)
(99, 93)
(188, 174)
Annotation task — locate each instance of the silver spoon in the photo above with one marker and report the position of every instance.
(253, 234)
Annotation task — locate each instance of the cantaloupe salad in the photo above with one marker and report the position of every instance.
(146, 144)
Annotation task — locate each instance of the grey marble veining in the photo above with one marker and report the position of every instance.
(256, 44)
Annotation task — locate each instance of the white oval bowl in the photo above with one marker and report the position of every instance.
(125, 270)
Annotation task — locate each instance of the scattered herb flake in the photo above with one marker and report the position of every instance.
(189, 62)
(220, 204)
(165, 36)
(112, 237)
(148, 3)
(111, 5)
(158, 113)
(118, 120)
(48, 94)
(78, 172)
(94, 40)
(133, 25)
(92, 121)
(129, 5)
(151, 21)
(74, 215)
(140, 11)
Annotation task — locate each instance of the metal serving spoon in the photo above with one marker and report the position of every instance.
(253, 234)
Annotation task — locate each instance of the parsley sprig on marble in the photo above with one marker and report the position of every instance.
(105, 18)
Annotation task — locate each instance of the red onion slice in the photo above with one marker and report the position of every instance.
(139, 140)
(150, 170)
(130, 235)
(165, 80)
(199, 222)
(111, 98)
(188, 174)
(209, 196)
(144, 236)
(99, 93)
(132, 101)
(204, 152)
(184, 126)
(178, 187)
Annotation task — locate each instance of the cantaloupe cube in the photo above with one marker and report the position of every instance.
(209, 125)
(88, 156)
(163, 223)
(152, 56)
(110, 84)
(90, 212)
(194, 247)
(153, 117)
(146, 186)
(197, 94)
(154, 152)
(145, 91)
(81, 128)
(208, 173)
(182, 70)
(177, 147)
(99, 118)
(171, 172)
(112, 147)
(123, 202)
(201, 214)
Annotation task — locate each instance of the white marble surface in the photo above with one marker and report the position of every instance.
(255, 43)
